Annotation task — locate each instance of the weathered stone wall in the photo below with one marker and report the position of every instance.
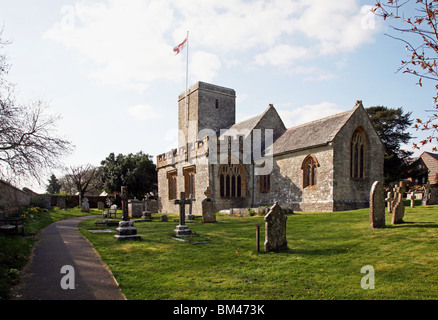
(12, 198)
(353, 193)
(165, 204)
(287, 182)
(204, 112)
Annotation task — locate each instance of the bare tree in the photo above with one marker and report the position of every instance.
(416, 24)
(28, 141)
(82, 176)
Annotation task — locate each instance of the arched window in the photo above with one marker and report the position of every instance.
(232, 179)
(358, 154)
(309, 168)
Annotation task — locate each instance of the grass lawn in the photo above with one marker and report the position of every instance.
(15, 250)
(324, 260)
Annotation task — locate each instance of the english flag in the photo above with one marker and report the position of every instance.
(180, 47)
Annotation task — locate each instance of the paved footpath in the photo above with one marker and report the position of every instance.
(61, 244)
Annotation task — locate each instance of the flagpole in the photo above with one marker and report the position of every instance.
(187, 82)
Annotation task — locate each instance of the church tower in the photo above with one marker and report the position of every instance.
(208, 107)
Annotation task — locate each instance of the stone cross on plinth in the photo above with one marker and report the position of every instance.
(126, 229)
(182, 230)
(124, 197)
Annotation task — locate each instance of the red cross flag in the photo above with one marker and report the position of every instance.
(180, 47)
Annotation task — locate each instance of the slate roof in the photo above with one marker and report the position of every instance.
(304, 136)
(311, 134)
(433, 155)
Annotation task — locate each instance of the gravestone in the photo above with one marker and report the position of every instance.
(411, 196)
(377, 206)
(135, 208)
(164, 218)
(62, 203)
(389, 201)
(126, 229)
(101, 206)
(182, 230)
(399, 208)
(426, 195)
(208, 208)
(85, 205)
(147, 213)
(275, 229)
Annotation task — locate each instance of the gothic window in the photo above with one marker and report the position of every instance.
(357, 154)
(309, 168)
(232, 179)
(265, 183)
(189, 180)
(172, 179)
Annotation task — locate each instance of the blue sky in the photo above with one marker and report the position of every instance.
(108, 68)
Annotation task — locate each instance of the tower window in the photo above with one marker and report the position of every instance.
(217, 103)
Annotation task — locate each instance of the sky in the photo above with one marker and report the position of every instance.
(107, 67)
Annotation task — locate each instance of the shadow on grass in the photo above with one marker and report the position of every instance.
(309, 252)
(408, 224)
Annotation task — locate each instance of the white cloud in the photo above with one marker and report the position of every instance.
(282, 55)
(204, 66)
(143, 112)
(130, 43)
(308, 113)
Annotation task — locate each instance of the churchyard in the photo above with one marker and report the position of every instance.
(328, 256)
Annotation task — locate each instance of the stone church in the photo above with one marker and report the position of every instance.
(322, 166)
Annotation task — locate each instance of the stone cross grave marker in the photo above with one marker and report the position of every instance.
(126, 229)
(377, 206)
(275, 229)
(399, 208)
(412, 198)
(182, 230)
(191, 216)
(389, 201)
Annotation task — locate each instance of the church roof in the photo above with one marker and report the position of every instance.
(251, 123)
(311, 134)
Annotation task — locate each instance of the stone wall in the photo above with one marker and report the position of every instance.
(12, 198)
(165, 204)
(353, 193)
(287, 182)
(209, 107)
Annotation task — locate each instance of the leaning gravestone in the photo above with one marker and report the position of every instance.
(399, 208)
(377, 206)
(275, 229)
(85, 205)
